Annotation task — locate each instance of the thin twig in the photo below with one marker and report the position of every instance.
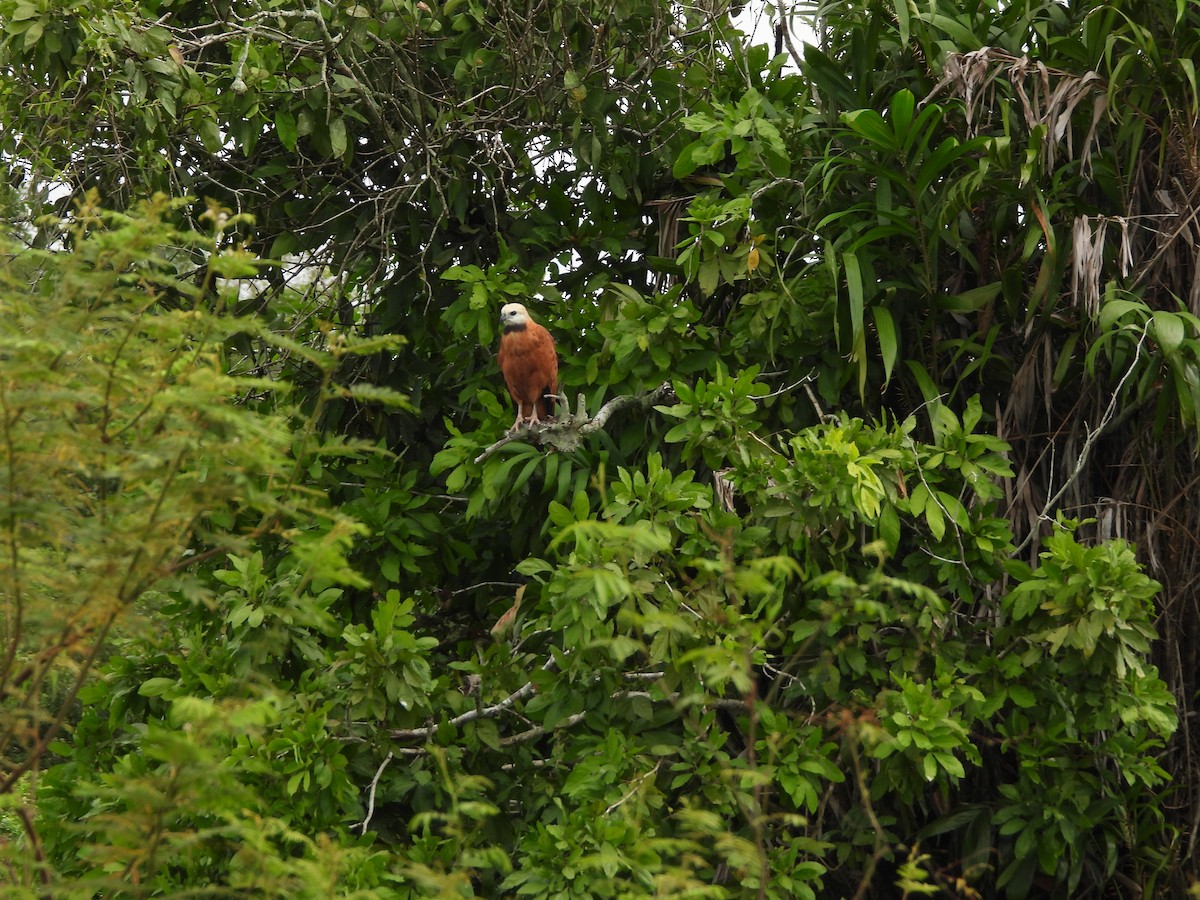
(791, 387)
(371, 796)
(483, 584)
(636, 784)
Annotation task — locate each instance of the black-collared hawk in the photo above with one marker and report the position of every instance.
(529, 364)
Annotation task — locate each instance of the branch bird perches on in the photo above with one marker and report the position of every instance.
(566, 433)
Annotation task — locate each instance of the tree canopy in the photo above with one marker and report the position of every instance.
(861, 558)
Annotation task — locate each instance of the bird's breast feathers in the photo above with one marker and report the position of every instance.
(521, 339)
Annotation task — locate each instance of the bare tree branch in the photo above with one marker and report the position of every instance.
(371, 797)
(484, 712)
(538, 730)
(637, 783)
(782, 28)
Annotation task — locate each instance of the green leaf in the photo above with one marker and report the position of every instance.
(389, 566)
(156, 687)
(889, 527)
(870, 125)
(885, 327)
(285, 128)
(710, 275)
(900, 7)
(1022, 696)
(1168, 331)
(929, 767)
(933, 516)
(698, 122)
(951, 764)
(1024, 599)
(1115, 310)
(533, 566)
(959, 32)
(210, 135)
(929, 391)
(285, 242)
(854, 288)
(935, 165)
(902, 108)
(693, 156)
(971, 300)
(337, 137)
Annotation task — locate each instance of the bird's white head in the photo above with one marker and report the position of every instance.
(514, 315)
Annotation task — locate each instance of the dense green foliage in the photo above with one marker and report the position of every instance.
(846, 608)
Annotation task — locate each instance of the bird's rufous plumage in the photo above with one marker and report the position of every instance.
(529, 364)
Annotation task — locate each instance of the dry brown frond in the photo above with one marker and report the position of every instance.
(1047, 97)
(1087, 262)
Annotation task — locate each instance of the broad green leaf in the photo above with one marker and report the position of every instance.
(1022, 696)
(951, 764)
(870, 124)
(929, 390)
(970, 300)
(337, 137)
(963, 36)
(696, 154)
(935, 519)
(889, 347)
(1114, 310)
(698, 122)
(929, 766)
(1168, 331)
(854, 290)
(285, 128)
(902, 20)
(285, 242)
(902, 109)
(1024, 599)
(156, 687)
(389, 566)
(710, 275)
(889, 527)
(937, 164)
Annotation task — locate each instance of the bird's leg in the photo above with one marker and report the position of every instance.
(521, 418)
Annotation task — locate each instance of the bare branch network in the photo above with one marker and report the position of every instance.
(421, 119)
(529, 734)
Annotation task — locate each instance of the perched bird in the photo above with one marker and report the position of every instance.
(529, 364)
